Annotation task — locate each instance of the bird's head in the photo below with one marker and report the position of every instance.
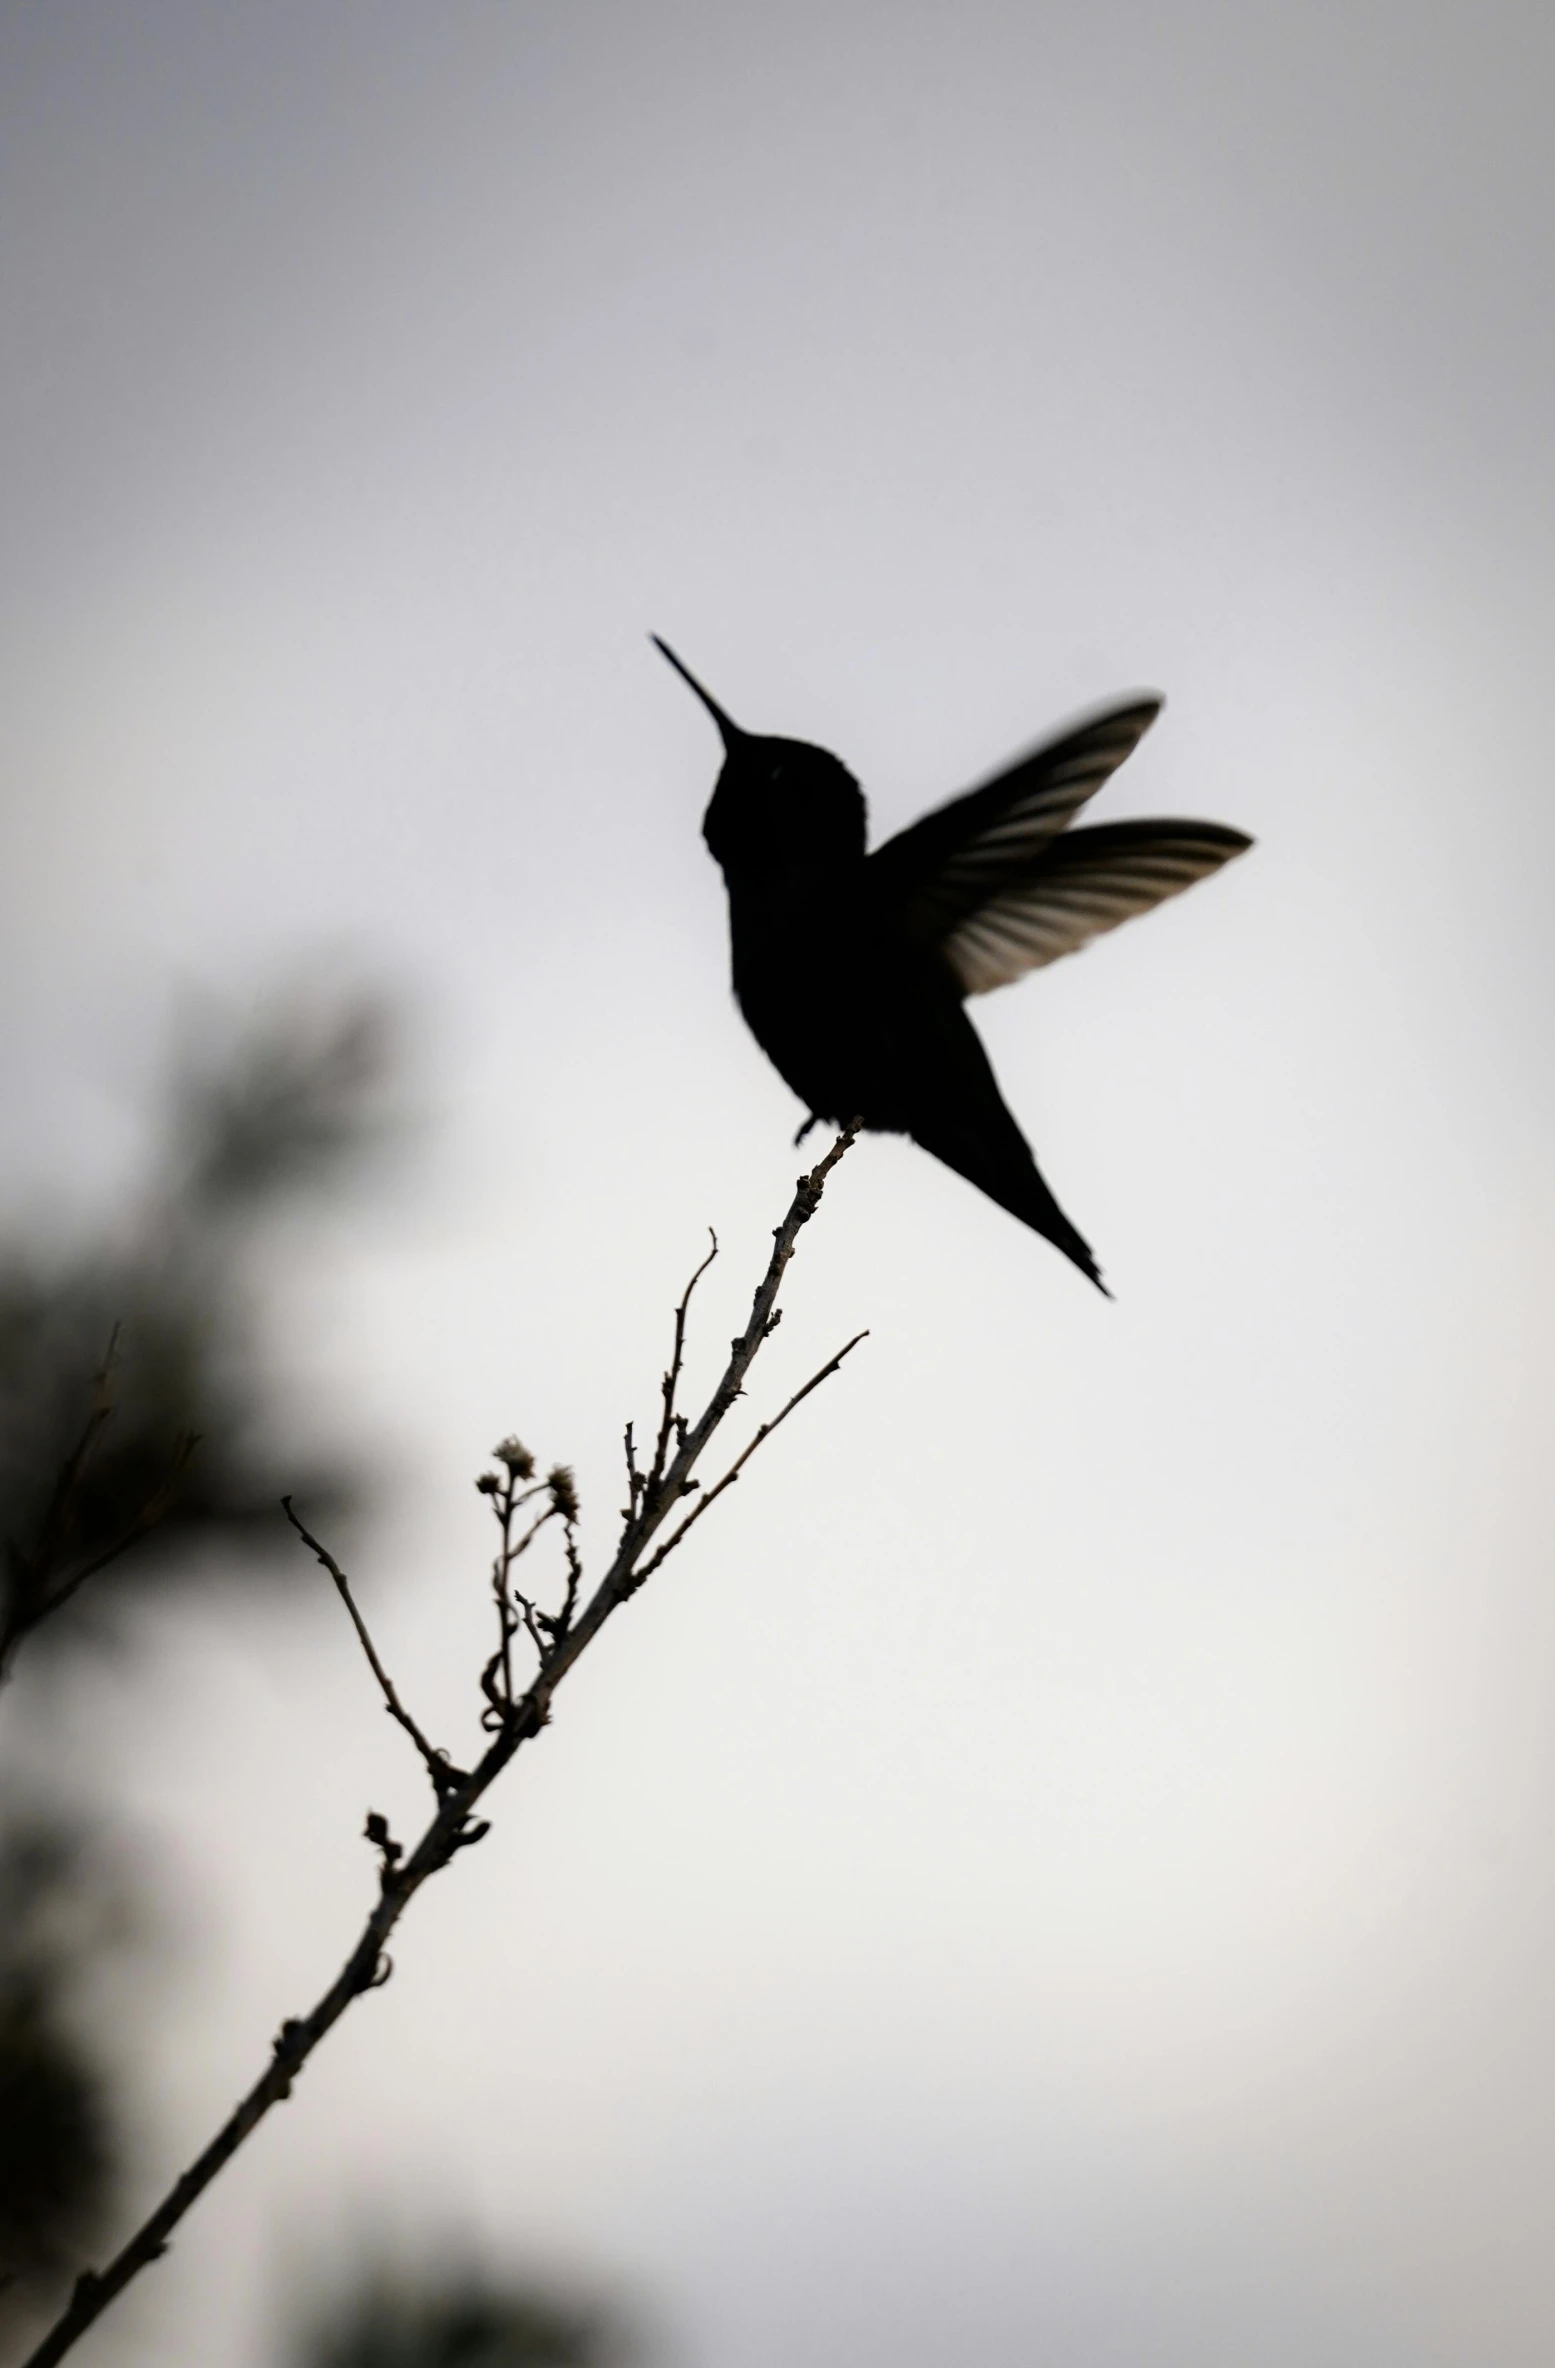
(778, 804)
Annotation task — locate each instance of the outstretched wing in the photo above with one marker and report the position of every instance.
(1077, 886)
(935, 875)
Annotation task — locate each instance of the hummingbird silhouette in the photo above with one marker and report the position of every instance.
(853, 968)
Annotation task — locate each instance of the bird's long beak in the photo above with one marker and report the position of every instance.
(729, 730)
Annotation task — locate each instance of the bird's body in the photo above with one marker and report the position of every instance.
(851, 968)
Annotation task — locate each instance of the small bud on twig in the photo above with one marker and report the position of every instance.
(390, 1852)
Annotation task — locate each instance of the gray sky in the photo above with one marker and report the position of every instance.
(1062, 1871)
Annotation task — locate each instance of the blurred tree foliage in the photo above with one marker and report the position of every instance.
(137, 1419)
(60, 1912)
(143, 1437)
(460, 2322)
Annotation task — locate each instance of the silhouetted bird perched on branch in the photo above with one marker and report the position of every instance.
(852, 968)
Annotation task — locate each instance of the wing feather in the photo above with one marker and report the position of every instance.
(1079, 885)
(937, 873)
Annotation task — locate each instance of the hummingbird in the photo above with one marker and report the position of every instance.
(852, 968)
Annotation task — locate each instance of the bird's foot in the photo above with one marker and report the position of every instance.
(811, 1121)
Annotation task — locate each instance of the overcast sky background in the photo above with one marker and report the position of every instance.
(1062, 1870)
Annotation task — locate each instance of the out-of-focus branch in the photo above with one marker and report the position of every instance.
(513, 1718)
(96, 1451)
(41, 1581)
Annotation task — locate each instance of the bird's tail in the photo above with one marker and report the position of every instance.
(1006, 1171)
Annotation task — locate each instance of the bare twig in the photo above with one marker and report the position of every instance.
(636, 1481)
(509, 1595)
(671, 1381)
(503, 1659)
(563, 1620)
(765, 1432)
(454, 1827)
(444, 1776)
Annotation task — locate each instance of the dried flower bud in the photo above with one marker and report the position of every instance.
(516, 1456)
(377, 1831)
(564, 1492)
(488, 1484)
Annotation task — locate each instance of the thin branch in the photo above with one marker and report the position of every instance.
(444, 1776)
(563, 1620)
(677, 1359)
(636, 1481)
(765, 1432)
(503, 1592)
(453, 1827)
(499, 1589)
